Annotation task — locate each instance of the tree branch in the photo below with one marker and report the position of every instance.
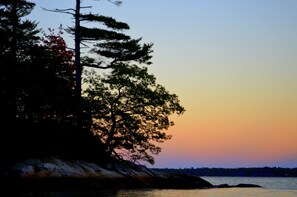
(64, 11)
(86, 7)
(97, 66)
(117, 3)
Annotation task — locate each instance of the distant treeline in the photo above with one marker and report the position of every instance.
(238, 172)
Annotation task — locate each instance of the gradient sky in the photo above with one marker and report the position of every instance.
(233, 64)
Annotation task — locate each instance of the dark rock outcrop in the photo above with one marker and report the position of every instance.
(57, 173)
(60, 174)
(238, 185)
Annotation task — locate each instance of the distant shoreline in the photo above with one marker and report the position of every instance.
(234, 172)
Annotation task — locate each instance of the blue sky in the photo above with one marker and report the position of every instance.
(233, 65)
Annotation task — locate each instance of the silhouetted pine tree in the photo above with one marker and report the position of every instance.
(17, 37)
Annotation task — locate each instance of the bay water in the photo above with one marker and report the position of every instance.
(271, 187)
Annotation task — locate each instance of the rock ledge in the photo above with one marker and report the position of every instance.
(57, 173)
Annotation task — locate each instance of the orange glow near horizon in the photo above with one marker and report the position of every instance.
(247, 126)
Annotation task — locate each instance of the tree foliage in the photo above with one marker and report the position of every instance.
(37, 84)
(108, 44)
(50, 88)
(17, 33)
(130, 111)
(17, 38)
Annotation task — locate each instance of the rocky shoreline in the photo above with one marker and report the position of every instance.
(60, 174)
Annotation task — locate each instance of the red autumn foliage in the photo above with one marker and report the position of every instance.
(61, 58)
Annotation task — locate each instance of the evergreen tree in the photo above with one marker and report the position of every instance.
(37, 85)
(17, 38)
(111, 45)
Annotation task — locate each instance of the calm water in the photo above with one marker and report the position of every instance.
(272, 187)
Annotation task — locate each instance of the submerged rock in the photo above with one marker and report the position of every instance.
(238, 185)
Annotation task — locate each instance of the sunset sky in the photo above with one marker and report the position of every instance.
(233, 64)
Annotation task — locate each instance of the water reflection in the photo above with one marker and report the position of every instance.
(94, 193)
(222, 192)
(273, 187)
